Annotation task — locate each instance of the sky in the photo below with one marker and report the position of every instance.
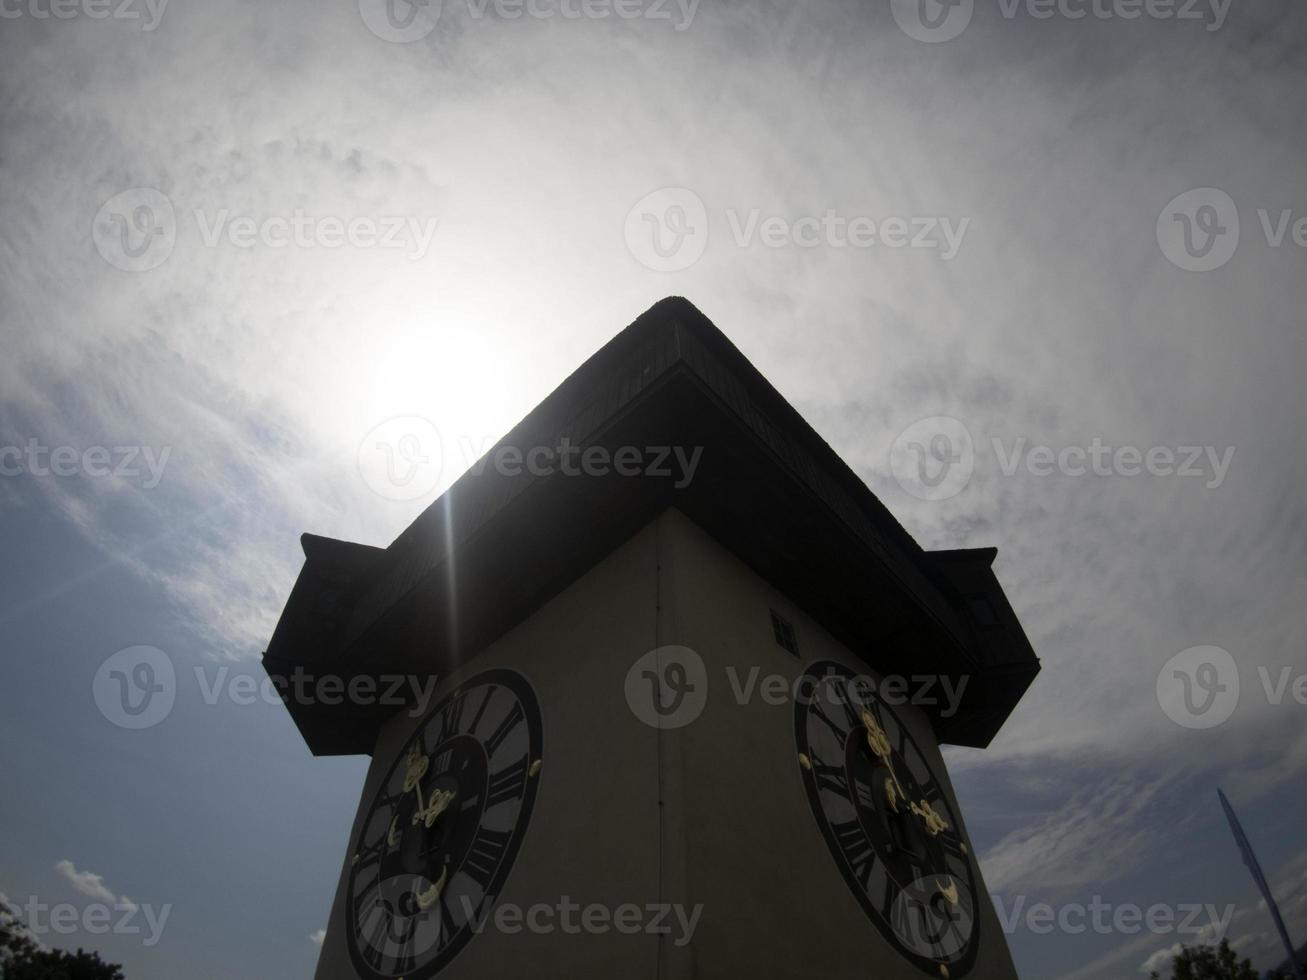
(1063, 237)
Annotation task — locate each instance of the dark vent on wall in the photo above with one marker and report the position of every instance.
(783, 630)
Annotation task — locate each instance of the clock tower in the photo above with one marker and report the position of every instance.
(677, 685)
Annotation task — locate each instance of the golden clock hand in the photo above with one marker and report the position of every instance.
(440, 801)
(878, 742)
(415, 768)
(933, 821)
(950, 893)
(428, 898)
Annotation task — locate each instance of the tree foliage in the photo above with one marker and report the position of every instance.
(1210, 963)
(22, 958)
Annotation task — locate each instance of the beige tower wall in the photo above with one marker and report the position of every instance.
(712, 814)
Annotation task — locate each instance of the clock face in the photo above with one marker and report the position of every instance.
(882, 811)
(439, 839)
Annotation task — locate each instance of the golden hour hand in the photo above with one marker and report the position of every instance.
(426, 899)
(949, 893)
(416, 766)
(878, 743)
(933, 821)
(437, 805)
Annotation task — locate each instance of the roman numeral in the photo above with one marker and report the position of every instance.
(372, 852)
(818, 710)
(507, 784)
(511, 721)
(451, 717)
(831, 778)
(866, 795)
(481, 710)
(484, 856)
(857, 850)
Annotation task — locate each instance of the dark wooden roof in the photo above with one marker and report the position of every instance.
(768, 487)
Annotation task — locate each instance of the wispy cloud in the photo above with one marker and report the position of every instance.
(91, 884)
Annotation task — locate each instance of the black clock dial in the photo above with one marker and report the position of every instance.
(883, 813)
(439, 838)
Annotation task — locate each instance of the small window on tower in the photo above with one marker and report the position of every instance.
(783, 630)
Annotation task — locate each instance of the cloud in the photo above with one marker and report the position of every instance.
(317, 937)
(91, 884)
(1161, 959)
(1094, 836)
(1058, 322)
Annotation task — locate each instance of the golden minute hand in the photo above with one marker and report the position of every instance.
(878, 742)
(415, 768)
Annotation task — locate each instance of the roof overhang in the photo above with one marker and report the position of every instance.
(767, 487)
